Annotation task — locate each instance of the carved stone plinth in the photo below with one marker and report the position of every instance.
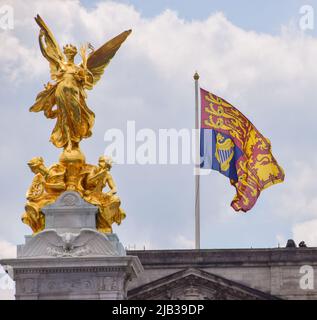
(70, 213)
(70, 259)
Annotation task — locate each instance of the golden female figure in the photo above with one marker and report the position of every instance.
(65, 99)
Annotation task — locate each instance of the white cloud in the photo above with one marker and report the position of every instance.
(281, 241)
(271, 78)
(7, 286)
(298, 201)
(7, 294)
(182, 242)
(7, 290)
(7, 250)
(18, 62)
(306, 231)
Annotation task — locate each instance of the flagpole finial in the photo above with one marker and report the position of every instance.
(196, 76)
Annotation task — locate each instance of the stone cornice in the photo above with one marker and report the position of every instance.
(226, 257)
(64, 265)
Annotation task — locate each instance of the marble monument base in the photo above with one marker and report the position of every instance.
(70, 259)
(82, 278)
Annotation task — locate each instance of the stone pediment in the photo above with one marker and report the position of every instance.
(195, 284)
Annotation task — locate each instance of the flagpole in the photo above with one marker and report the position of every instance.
(197, 162)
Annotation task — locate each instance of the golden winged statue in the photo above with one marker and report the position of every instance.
(65, 101)
(74, 118)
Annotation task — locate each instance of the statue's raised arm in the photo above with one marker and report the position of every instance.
(49, 47)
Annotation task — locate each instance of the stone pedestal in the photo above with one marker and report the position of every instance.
(70, 259)
(73, 278)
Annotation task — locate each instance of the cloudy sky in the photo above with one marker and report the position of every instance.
(252, 53)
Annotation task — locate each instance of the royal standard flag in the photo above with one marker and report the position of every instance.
(232, 145)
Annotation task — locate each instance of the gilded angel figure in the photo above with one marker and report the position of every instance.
(65, 99)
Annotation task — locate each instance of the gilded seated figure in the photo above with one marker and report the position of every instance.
(46, 186)
(95, 179)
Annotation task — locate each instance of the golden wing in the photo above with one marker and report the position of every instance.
(49, 47)
(99, 59)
